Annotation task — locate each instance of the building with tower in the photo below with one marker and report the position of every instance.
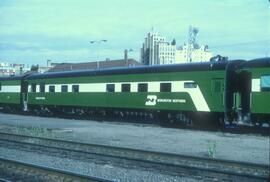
(196, 53)
(156, 50)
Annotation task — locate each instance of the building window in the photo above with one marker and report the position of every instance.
(64, 88)
(33, 87)
(165, 87)
(142, 87)
(265, 83)
(75, 88)
(190, 85)
(42, 87)
(125, 87)
(110, 88)
(51, 88)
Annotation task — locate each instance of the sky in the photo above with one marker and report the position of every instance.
(33, 31)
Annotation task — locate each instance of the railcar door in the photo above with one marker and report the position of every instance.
(244, 88)
(237, 93)
(24, 95)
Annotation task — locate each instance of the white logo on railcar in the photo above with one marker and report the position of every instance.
(151, 100)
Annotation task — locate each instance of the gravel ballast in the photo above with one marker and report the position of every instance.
(239, 147)
(104, 171)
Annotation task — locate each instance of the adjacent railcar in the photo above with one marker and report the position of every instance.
(10, 92)
(247, 91)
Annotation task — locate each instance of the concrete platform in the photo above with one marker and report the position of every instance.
(239, 147)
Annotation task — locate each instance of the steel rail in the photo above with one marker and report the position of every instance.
(44, 173)
(225, 167)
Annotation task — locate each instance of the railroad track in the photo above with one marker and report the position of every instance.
(14, 170)
(197, 167)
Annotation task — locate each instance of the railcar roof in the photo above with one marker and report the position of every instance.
(206, 66)
(260, 62)
(6, 78)
(134, 70)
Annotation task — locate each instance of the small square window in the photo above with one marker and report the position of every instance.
(33, 87)
(51, 88)
(142, 87)
(190, 85)
(125, 87)
(265, 83)
(64, 88)
(165, 87)
(217, 85)
(110, 88)
(75, 88)
(42, 87)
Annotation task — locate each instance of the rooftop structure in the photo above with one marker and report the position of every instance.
(93, 65)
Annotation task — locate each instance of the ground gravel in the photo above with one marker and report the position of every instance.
(239, 147)
(104, 171)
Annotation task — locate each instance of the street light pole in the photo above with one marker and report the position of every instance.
(98, 42)
(126, 55)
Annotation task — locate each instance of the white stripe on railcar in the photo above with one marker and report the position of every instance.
(10, 89)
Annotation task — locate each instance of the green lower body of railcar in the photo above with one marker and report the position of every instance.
(9, 98)
(163, 101)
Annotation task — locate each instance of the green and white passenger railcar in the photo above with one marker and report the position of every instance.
(169, 90)
(212, 93)
(10, 92)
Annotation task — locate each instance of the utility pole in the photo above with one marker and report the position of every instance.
(126, 51)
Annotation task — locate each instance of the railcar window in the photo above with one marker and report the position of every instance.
(64, 88)
(125, 87)
(265, 83)
(42, 87)
(142, 87)
(190, 85)
(110, 88)
(217, 85)
(51, 88)
(165, 87)
(33, 87)
(75, 88)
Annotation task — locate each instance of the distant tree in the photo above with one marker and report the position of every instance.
(218, 58)
(34, 68)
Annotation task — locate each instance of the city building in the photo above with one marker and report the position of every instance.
(11, 69)
(156, 51)
(198, 54)
(149, 49)
(164, 53)
(6, 69)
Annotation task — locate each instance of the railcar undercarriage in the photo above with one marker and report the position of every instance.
(185, 119)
